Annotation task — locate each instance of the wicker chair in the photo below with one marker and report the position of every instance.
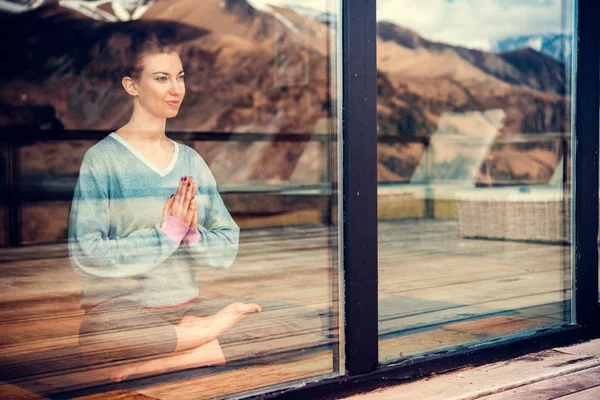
(539, 214)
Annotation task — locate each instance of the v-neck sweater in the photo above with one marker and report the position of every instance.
(119, 240)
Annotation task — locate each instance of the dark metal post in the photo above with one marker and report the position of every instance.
(585, 150)
(14, 195)
(360, 184)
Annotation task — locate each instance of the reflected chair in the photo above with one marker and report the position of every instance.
(533, 213)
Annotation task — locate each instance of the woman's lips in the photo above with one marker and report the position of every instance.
(173, 104)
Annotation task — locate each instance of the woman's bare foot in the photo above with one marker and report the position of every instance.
(241, 308)
(122, 373)
(196, 331)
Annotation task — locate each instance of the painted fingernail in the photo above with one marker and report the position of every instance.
(188, 184)
(171, 195)
(181, 179)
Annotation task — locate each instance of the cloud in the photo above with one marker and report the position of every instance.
(473, 23)
(470, 23)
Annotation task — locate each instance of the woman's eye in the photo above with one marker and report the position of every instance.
(161, 78)
(181, 77)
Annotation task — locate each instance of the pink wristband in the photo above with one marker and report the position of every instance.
(174, 228)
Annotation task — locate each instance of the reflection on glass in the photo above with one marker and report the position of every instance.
(4, 198)
(46, 176)
(175, 292)
(4, 225)
(43, 221)
(474, 207)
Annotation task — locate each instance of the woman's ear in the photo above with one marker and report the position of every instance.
(130, 86)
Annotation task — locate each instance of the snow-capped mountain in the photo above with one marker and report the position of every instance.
(18, 6)
(556, 45)
(102, 10)
(327, 17)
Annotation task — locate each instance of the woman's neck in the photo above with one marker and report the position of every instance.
(145, 129)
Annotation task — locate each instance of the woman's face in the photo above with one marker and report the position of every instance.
(161, 87)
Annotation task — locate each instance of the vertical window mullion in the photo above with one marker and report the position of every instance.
(360, 184)
(585, 155)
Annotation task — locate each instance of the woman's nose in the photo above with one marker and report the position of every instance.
(176, 88)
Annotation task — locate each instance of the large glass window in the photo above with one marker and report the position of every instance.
(474, 137)
(4, 199)
(115, 285)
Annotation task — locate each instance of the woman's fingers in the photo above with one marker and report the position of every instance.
(189, 215)
(188, 193)
(180, 190)
(194, 208)
(184, 208)
(192, 192)
(169, 205)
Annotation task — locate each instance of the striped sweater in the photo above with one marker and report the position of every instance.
(121, 244)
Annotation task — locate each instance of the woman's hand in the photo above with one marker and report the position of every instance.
(194, 223)
(183, 205)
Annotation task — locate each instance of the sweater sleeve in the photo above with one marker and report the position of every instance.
(94, 251)
(215, 241)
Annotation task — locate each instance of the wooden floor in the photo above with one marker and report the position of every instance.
(436, 290)
(567, 373)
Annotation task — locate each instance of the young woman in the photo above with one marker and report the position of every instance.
(146, 215)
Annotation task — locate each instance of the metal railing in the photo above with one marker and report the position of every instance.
(15, 194)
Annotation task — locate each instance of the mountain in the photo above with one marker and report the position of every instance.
(420, 80)
(555, 45)
(249, 70)
(417, 74)
(512, 70)
(325, 17)
(245, 72)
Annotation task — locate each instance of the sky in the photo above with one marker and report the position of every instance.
(469, 23)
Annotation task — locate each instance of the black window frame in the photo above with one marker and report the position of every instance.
(363, 371)
(359, 190)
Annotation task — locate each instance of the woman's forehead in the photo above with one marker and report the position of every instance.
(163, 62)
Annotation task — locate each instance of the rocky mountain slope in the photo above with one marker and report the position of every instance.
(420, 80)
(254, 71)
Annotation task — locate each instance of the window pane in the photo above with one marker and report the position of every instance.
(47, 174)
(474, 205)
(113, 281)
(4, 197)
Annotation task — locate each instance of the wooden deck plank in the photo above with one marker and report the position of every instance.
(575, 385)
(496, 378)
(231, 382)
(588, 394)
(420, 259)
(494, 289)
(405, 346)
(497, 326)
(16, 393)
(118, 395)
